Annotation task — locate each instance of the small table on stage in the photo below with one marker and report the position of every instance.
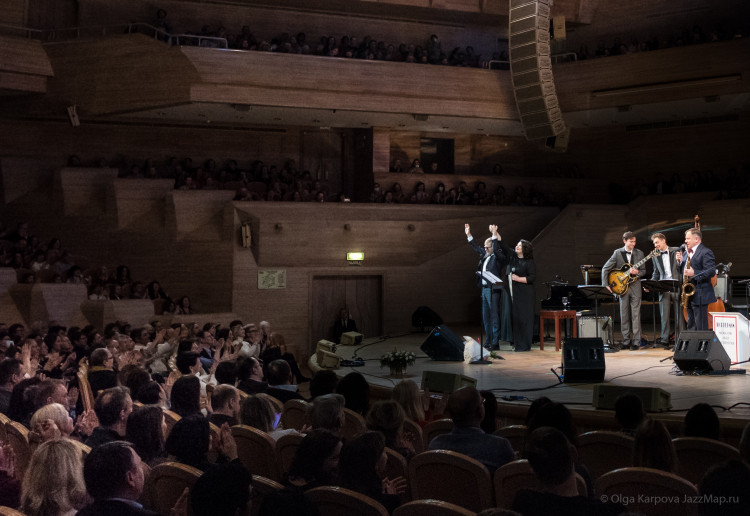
(557, 315)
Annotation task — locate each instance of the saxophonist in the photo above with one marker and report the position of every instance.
(630, 301)
(702, 269)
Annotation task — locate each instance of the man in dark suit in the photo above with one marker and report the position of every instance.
(492, 260)
(667, 268)
(344, 324)
(630, 302)
(702, 269)
(280, 381)
(114, 479)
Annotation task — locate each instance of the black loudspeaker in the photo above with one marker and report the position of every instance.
(424, 316)
(443, 344)
(700, 351)
(583, 360)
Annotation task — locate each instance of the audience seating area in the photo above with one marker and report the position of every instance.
(439, 482)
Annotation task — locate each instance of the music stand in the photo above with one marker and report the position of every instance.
(596, 292)
(661, 286)
(493, 281)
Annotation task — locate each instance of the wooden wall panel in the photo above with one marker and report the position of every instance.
(141, 203)
(25, 56)
(85, 190)
(13, 13)
(21, 175)
(360, 85)
(649, 75)
(8, 309)
(381, 150)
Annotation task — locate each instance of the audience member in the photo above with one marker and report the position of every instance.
(114, 480)
(327, 412)
(280, 386)
(315, 461)
(356, 391)
(10, 486)
(112, 407)
(223, 490)
(101, 372)
(146, 430)
(258, 411)
(189, 441)
(11, 374)
(225, 402)
(51, 421)
(723, 490)
(387, 417)
(701, 421)
(53, 483)
(323, 382)
(415, 406)
(629, 412)
(185, 397)
(362, 469)
(653, 447)
(250, 376)
(466, 408)
(552, 458)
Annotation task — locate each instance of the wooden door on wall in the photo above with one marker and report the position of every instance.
(362, 295)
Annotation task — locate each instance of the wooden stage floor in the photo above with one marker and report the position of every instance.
(529, 374)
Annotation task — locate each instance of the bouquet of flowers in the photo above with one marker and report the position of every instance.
(397, 360)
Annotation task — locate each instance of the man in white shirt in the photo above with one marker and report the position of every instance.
(667, 267)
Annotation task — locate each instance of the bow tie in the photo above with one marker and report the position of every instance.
(665, 252)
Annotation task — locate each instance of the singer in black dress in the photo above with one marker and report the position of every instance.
(523, 274)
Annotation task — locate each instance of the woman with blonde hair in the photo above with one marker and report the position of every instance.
(406, 393)
(50, 422)
(258, 411)
(53, 483)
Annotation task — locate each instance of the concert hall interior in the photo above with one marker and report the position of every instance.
(241, 177)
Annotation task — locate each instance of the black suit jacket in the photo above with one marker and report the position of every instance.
(704, 265)
(498, 260)
(114, 508)
(284, 395)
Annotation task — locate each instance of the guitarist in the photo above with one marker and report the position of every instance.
(630, 302)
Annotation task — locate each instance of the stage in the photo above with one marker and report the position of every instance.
(529, 375)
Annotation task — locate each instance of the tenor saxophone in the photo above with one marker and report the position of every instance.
(688, 289)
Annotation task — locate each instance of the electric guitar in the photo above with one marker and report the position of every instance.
(620, 281)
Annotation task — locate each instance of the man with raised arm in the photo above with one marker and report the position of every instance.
(492, 259)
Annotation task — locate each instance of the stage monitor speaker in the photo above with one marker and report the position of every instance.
(350, 338)
(583, 360)
(445, 383)
(424, 316)
(654, 399)
(443, 344)
(699, 351)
